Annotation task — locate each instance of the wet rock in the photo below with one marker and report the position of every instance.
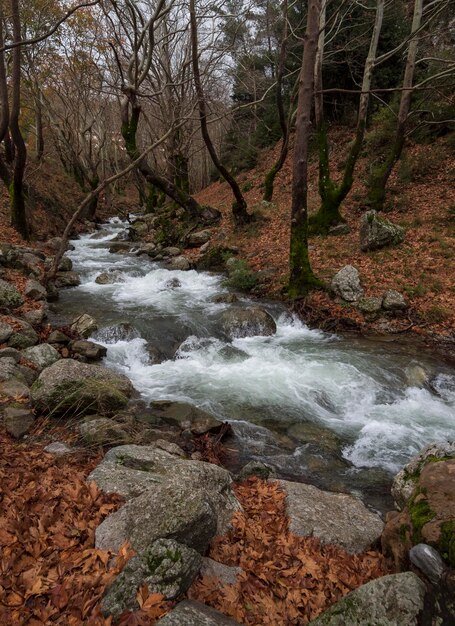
(178, 413)
(5, 332)
(67, 279)
(228, 298)
(10, 353)
(65, 265)
(119, 332)
(428, 561)
(134, 470)
(394, 301)
(57, 448)
(90, 350)
(307, 432)
(102, 431)
(199, 238)
(56, 336)
(17, 421)
(10, 297)
(346, 284)
(120, 247)
(233, 354)
(395, 600)
(405, 482)
(416, 376)
(255, 468)
(224, 573)
(148, 248)
(174, 283)
(240, 322)
(332, 517)
(42, 355)
(166, 567)
(370, 306)
(190, 613)
(69, 385)
(108, 278)
(35, 290)
(179, 263)
(84, 325)
(377, 232)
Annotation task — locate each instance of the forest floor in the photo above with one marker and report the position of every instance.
(421, 197)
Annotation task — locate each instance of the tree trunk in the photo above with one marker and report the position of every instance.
(16, 189)
(284, 123)
(331, 194)
(239, 206)
(302, 279)
(39, 128)
(381, 174)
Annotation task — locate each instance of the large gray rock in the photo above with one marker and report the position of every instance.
(10, 353)
(187, 416)
(36, 316)
(346, 284)
(5, 332)
(84, 325)
(336, 518)
(377, 232)
(131, 470)
(65, 265)
(35, 290)
(395, 600)
(173, 510)
(9, 295)
(69, 385)
(394, 301)
(247, 322)
(406, 481)
(42, 355)
(190, 613)
(166, 567)
(15, 389)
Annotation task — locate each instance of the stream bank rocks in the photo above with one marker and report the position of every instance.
(346, 284)
(395, 600)
(332, 517)
(70, 385)
(425, 494)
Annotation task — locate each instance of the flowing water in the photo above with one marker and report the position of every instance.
(341, 412)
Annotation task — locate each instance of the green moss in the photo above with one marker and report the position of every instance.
(404, 528)
(77, 398)
(447, 542)
(420, 514)
(241, 277)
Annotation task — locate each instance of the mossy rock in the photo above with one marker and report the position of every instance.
(9, 295)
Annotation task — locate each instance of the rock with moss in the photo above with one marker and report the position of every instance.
(255, 468)
(35, 290)
(102, 431)
(42, 355)
(394, 301)
(214, 260)
(131, 470)
(181, 263)
(241, 276)
(166, 567)
(377, 232)
(9, 370)
(67, 279)
(395, 600)
(251, 321)
(198, 238)
(426, 495)
(88, 349)
(73, 388)
(5, 332)
(371, 306)
(10, 298)
(24, 338)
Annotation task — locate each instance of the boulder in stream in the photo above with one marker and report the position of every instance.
(84, 325)
(179, 263)
(67, 279)
(187, 416)
(240, 322)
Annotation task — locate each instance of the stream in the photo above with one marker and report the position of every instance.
(343, 413)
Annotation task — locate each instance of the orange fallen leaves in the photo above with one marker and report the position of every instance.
(286, 580)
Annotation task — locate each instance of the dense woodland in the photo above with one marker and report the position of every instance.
(176, 95)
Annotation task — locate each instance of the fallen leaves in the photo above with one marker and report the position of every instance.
(286, 580)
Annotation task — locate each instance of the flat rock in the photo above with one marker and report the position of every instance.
(335, 518)
(395, 600)
(190, 613)
(89, 349)
(182, 413)
(102, 431)
(17, 421)
(57, 448)
(199, 238)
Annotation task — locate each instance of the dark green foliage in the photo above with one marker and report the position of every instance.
(241, 277)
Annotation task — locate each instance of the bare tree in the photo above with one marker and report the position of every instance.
(302, 278)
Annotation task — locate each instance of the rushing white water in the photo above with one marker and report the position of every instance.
(356, 389)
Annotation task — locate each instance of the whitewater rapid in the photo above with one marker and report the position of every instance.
(358, 390)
